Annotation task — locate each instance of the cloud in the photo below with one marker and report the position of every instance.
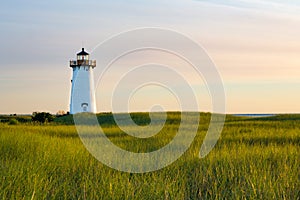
(289, 7)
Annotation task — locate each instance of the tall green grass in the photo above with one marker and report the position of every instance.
(254, 159)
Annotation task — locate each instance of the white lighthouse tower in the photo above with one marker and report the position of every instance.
(83, 92)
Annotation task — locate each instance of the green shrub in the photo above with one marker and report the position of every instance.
(13, 121)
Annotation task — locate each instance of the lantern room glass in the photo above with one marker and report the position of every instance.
(82, 57)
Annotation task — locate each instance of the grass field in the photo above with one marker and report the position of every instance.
(255, 158)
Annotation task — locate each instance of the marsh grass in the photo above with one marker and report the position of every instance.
(254, 159)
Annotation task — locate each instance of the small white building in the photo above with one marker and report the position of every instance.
(83, 92)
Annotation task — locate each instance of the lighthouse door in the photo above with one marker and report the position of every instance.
(84, 107)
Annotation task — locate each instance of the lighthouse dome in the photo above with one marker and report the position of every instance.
(82, 53)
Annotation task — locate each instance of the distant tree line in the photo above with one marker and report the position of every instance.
(36, 117)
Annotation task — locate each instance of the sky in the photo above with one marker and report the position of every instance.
(255, 46)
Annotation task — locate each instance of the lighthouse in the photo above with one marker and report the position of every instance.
(82, 91)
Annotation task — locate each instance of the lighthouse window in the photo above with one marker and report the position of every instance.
(84, 106)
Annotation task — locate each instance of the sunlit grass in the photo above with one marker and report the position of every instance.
(254, 159)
